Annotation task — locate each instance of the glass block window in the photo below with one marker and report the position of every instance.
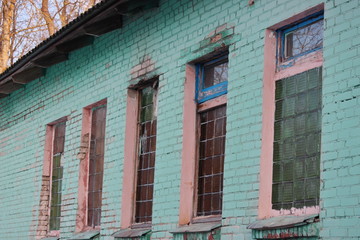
(146, 158)
(302, 38)
(212, 77)
(57, 175)
(211, 161)
(96, 164)
(297, 136)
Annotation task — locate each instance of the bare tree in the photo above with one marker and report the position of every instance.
(26, 23)
(50, 22)
(7, 18)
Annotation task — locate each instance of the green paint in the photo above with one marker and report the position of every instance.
(172, 36)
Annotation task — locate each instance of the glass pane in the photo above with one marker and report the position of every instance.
(215, 74)
(297, 139)
(304, 39)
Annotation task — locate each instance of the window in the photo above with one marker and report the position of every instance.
(51, 187)
(91, 169)
(139, 155)
(56, 174)
(211, 78)
(297, 133)
(204, 134)
(146, 158)
(96, 164)
(291, 134)
(301, 38)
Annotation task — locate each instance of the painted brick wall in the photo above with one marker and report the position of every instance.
(165, 39)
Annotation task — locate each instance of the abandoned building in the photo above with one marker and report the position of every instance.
(186, 119)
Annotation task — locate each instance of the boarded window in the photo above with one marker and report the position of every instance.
(296, 158)
(146, 159)
(57, 175)
(211, 161)
(96, 164)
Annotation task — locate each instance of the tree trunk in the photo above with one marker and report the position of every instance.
(8, 12)
(47, 17)
(91, 3)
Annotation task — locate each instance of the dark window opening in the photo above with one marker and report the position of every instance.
(146, 158)
(211, 161)
(297, 138)
(96, 164)
(57, 175)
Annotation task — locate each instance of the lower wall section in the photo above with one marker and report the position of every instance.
(213, 235)
(308, 231)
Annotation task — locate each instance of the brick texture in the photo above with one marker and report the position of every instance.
(159, 43)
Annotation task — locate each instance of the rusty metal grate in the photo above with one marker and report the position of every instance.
(57, 175)
(96, 164)
(146, 159)
(211, 161)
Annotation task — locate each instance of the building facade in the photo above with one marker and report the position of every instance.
(186, 119)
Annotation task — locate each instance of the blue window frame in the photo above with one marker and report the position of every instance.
(301, 38)
(211, 78)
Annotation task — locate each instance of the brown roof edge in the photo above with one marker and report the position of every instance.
(72, 26)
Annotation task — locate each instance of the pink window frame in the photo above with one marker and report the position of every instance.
(81, 217)
(188, 187)
(271, 75)
(130, 154)
(48, 165)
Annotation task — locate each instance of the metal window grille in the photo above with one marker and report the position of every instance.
(211, 161)
(146, 158)
(57, 175)
(96, 165)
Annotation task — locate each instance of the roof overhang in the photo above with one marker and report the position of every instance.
(104, 17)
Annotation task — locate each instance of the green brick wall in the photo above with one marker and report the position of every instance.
(171, 36)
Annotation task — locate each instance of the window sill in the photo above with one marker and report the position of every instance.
(207, 224)
(85, 235)
(131, 233)
(50, 238)
(286, 227)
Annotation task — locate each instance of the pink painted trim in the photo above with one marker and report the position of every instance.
(268, 125)
(49, 136)
(48, 148)
(81, 217)
(48, 164)
(302, 64)
(212, 103)
(130, 156)
(298, 17)
(54, 233)
(188, 170)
